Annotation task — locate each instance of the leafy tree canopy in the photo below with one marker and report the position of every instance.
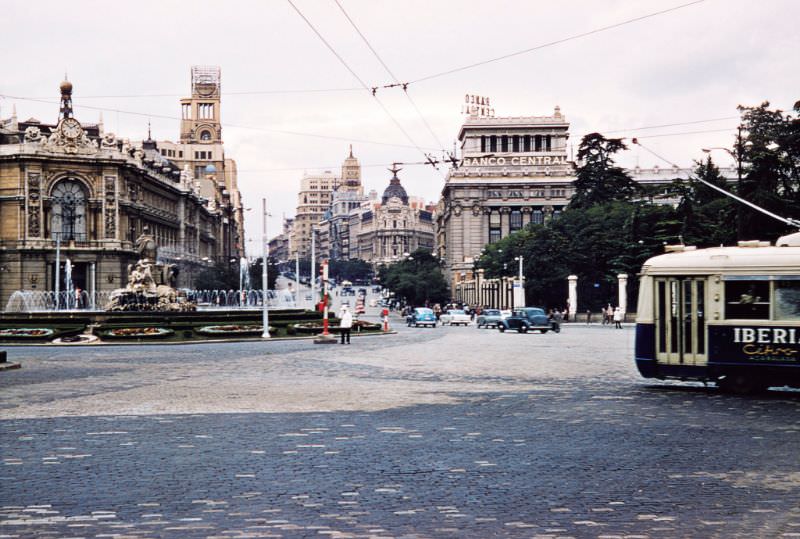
(417, 280)
(598, 178)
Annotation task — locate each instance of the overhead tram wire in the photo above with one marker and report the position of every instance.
(363, 84)
(227, 125)
(389, 71)
(556, 42)
(242, 92)
(785, 220)
(347, 139)
(672, 125)
(328, 167)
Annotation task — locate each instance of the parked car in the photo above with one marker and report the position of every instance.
(525, 319)
(421, 316)
(454, 317)
(489, 317)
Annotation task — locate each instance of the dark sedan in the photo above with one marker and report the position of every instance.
(525, 319)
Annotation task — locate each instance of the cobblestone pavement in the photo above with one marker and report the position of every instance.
(446, 432)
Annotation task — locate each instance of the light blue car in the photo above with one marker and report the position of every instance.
(422, 316)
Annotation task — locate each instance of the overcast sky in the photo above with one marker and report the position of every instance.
(691, 64)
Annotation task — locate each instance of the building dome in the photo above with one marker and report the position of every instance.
(66, 87)
(395, 189)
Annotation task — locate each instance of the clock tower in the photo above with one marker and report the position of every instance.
(200, 114)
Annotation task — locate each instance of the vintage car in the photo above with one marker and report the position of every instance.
(455, 317)
(525, 319)
(421, 316)
(489, 317)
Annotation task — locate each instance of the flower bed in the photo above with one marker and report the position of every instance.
(333, 327)
(148, 332)
(25, 333)
(233, 329)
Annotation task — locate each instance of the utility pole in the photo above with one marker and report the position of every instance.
(739, 148)
(297, 276)
(264, 280)
(313, 268)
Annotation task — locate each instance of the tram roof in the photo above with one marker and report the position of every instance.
(742, 260)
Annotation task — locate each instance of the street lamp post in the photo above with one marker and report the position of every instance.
(297, 275)
(519, 298)
(313, 266)
(264, 280)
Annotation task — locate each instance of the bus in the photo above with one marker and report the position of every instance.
(727, 315)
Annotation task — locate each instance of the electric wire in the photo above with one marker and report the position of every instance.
(241, 92)
(688, 133)
(556, 42)
(224, 124)
(604, 132)
(366, 87)
(389, 71)
(671, 125)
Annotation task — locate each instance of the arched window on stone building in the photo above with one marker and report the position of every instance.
(68, 211)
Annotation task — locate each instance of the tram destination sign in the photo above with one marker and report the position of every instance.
(754, 344)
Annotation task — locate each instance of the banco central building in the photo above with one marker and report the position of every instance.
(515, 171)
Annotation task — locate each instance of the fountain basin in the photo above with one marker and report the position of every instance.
(181, 327)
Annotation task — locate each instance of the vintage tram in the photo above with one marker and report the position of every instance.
(728, 315)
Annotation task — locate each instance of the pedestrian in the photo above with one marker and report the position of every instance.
(345, 323)
(556, 320)
(617, 318)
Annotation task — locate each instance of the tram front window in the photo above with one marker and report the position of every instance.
(747, 300)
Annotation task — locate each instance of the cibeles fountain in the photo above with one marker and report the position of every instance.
(149, 307)
(151, 286)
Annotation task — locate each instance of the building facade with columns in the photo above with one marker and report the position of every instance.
(514, 171)
(74, 191)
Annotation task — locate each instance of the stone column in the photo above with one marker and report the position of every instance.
(478, 288)
(505, 221)
(573, 296)
(622, 279)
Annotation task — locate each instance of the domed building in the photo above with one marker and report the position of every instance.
(383, 231)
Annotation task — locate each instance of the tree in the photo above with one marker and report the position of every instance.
(351, 270)
(707, 216)
(218, 276)
(256, 276)
(417, 280)
(598, 179)
(596, 244)
(770, 152)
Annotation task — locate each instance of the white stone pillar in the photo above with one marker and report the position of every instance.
(622, 278)
(573, 296)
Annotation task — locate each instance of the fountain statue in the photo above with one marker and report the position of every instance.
(151, 286)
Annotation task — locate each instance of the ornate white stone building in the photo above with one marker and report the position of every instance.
(383, 231)
(73, 191)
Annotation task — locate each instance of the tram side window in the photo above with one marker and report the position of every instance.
(787, 300)
(747, 300)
